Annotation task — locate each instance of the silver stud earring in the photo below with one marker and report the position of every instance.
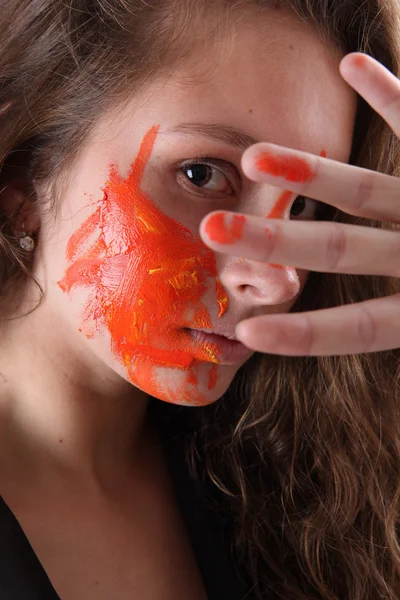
(26, 242)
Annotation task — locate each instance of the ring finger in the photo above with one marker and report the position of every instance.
(315, 246)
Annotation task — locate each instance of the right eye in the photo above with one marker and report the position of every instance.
(304, 209)
(209, 177)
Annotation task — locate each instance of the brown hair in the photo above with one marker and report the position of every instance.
(302, 454)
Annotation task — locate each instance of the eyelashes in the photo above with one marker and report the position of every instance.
(210, 177)
(217, 179)
(304, 208)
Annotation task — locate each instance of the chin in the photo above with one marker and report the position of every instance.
(202, 385)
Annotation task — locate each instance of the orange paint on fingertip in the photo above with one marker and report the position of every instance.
(359, 60)
(217, 230)
(278, 212)
(237, 225)
(291, 168)
(285, 199)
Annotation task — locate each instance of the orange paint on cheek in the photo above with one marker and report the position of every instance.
(222, 298)
(217, 230)
(278, 212)
(212, 379)
(145, 273)
(192, 378)
(281, 205)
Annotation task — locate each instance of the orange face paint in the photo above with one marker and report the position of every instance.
(212, 378)
(282, 204)
(217, 230)
(146, 274)
(222, 299)
(278, 212)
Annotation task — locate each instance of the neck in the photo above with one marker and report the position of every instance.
(62, 410)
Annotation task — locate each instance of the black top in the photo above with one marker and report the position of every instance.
(22, 576)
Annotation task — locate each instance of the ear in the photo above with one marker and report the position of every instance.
(17, 205)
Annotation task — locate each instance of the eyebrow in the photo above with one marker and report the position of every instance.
(224, 133)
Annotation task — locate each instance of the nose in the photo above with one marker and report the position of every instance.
(258, 284)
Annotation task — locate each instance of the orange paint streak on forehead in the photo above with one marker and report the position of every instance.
(145, 273)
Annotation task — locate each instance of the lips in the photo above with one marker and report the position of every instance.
(230, 351)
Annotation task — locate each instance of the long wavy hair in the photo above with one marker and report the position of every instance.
(302, 454)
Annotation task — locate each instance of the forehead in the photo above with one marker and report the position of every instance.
(276, 79)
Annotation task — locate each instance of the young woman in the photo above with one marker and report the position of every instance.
(125, 303)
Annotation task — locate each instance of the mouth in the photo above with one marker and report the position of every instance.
(230, 350)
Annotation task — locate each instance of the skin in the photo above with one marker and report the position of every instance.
(163, 271)
(370, 326)
(73, 421)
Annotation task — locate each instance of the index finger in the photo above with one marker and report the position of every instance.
(376, 84)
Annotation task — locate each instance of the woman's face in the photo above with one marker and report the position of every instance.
(123, 265)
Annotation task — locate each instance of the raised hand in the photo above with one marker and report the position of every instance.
(369, 326)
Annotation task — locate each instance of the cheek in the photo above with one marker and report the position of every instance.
(201, 385)
(146, 275)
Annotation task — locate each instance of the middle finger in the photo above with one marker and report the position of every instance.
(354, 190)
(315, 246)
